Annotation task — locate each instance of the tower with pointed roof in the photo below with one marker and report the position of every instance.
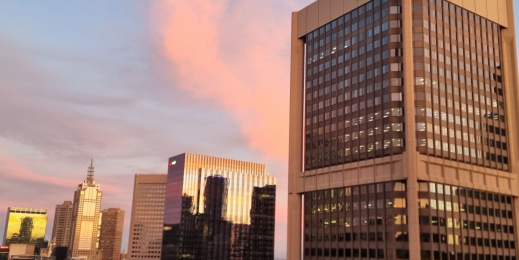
(86, 215)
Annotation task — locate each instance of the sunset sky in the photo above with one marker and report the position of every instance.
(131, 83)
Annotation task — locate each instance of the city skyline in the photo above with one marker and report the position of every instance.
(132, 113)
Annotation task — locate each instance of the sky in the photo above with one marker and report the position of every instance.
(131, 83)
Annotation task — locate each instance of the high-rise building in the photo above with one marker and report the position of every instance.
(85, 219)
(123, 255)
(62, 224)
(403, 130)
(111, 233)
(262, 215)
(146, 223)
(213, 205)
(26, 226)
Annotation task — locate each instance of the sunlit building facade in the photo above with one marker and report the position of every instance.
(86, 219)
(218, 208)
(25, 226)
(111, 233)
(146, 224)
(402, 130)
(62, 224)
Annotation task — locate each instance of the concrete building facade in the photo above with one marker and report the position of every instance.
(146, 224)
(62, 224)
(403, 130)
(111, 233)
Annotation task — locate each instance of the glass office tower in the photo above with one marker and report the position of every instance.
(26, 226)
(218, 209)
(401, 143)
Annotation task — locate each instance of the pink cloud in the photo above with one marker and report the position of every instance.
(11, 169)
(235, 55)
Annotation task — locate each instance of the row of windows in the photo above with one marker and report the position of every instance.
(150, 208)
(459, 149)
(363, 236)
(356, 221)
(457, 223)
(464, 240)
(465, 93)
(356, 190)
(463, 192)
(453, 206)
(362, 205)
(370, 147)
(437, 255)
(452, 118)
(356, 253)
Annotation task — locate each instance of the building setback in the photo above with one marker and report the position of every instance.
(62, 224)
(85, 219)
(147, 217)
(212, 207)
(403, 130)
(111, 233)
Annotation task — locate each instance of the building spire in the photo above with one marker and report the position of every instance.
(90, 176)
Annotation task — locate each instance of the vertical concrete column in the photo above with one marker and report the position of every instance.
(510, 82)
(410, 156)
(295, 145)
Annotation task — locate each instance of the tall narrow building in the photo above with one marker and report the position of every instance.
(85, 219)
(218, 208)
(111, 233)
(146, 222)
(403, 130)
(26, 226)
(62, 224)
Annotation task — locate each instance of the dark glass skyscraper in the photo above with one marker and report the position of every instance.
(218, 209)
(403, 130)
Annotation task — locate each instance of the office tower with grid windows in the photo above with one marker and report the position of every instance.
(147, 217)
(86, 219)
(111, 233)
(218, 208)
(403, 130)
(62, 224)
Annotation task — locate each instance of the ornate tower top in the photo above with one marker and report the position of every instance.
(90, 176)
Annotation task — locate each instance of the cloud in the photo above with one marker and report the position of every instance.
(235, 54)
